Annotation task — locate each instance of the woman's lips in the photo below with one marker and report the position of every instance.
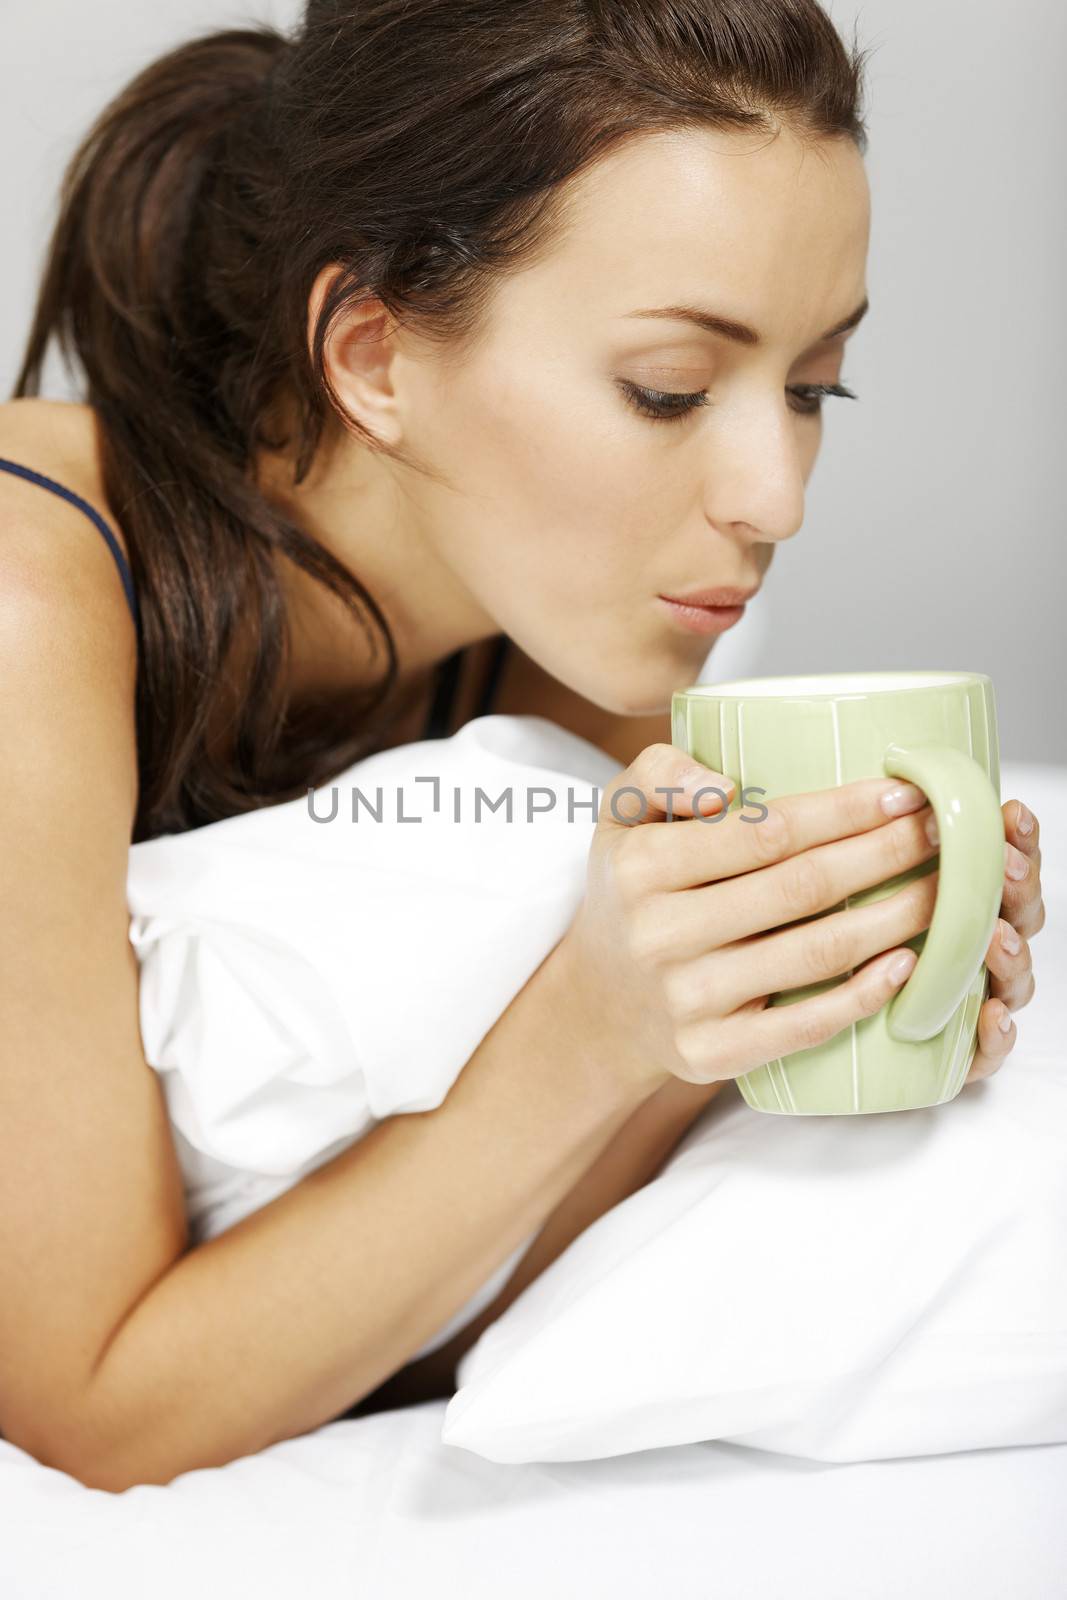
(701, 619)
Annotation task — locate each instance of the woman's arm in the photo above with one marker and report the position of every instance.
(278, 1324)
(633, 1158)
(126, 1357)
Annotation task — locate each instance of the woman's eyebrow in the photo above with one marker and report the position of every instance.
(740, 332)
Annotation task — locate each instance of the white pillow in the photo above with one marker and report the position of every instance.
(840, 1288)
(301, 980)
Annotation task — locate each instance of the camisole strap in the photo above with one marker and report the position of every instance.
(496, 668)
(437, 723)
(82, 505)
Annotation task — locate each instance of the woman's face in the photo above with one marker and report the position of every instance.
(567, 513)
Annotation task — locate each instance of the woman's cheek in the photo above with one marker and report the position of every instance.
(555, 462)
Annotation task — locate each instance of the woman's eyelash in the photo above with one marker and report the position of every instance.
(665, 407)
(811, 395)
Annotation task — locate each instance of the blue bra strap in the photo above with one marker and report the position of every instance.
(82, 505)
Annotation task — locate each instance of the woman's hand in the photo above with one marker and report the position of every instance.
(686, 931)
(1022, 915)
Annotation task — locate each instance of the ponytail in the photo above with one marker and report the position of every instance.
(147, 285)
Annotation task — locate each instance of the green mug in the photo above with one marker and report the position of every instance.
(793, 735)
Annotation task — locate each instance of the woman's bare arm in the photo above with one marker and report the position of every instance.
(280, 1323)
(635, 1155)
(126, 1357)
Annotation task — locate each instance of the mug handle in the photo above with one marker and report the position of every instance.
(969, 890)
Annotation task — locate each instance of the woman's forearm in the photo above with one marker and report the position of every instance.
(290, 1316)
(632, 1158)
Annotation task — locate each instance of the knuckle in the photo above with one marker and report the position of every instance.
(803, 884)
(631, 868)
(831, 947)
(814, 1028)
(872, 989)
(661, 767)
(651, 936)
(683, 997)
(691, 1048)
(919, 898)
(648, 762)
(660, 754)
(855, 808)
(773, 836)
(906, 845)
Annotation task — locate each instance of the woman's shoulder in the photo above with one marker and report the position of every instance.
(61, 439)
(58, 579)
(56, 439)
(68, 661)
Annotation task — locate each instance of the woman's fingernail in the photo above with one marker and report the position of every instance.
(899, 965)
(711, 797)
(1025, 823)
(905, 797)
(704, 778)
(931, 829)
(1017, 866)
(1004, 1021)
(1010, 939)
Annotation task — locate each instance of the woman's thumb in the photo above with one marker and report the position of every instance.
(661, 783)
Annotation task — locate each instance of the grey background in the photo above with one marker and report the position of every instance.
(936, 524)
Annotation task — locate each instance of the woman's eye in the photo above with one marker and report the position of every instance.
(664, 407)
(810, 396)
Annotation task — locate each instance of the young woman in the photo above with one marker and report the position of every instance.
(433, 356)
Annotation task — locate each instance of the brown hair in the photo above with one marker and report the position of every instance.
(421, 144)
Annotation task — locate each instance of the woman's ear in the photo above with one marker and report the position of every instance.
(360, 357)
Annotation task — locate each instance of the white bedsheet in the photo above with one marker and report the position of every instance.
(379, 1507)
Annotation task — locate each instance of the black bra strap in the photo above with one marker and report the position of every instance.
(444, 697)
(437, 723)
(83, 505)
(496, 667)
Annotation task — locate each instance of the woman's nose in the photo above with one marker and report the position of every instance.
(756, 475)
